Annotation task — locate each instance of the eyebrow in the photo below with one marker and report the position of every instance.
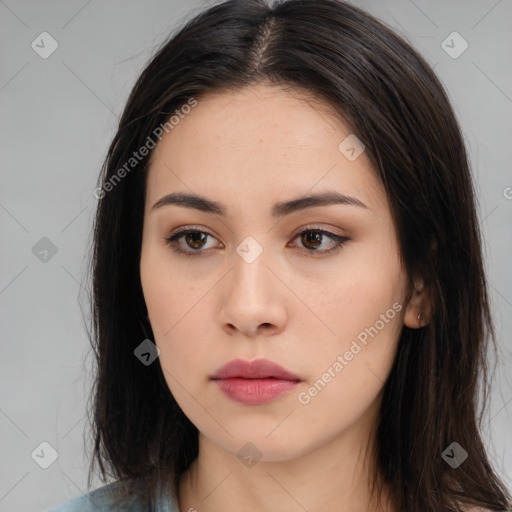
(279, 209)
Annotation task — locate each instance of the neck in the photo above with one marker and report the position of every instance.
(335, 476)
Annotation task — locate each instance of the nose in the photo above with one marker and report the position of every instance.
(253, 299)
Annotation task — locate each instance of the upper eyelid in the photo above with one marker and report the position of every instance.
(186, 229)
(338, 241)
(177, 234)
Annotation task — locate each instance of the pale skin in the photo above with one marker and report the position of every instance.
(294, 304)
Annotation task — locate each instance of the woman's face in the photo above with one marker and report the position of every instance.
(256, 285)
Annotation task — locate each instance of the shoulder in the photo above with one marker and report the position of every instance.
(125, 496)
(102, 499)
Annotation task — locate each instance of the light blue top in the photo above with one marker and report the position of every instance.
(100, 500)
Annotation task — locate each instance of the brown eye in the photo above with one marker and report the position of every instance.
(312, 239)
(195, 239)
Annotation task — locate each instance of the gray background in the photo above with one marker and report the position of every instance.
(58, 116)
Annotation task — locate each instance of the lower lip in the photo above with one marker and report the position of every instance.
(254, 391)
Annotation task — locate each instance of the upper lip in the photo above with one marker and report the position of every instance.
(256, 369)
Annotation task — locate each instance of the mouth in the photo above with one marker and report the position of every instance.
(254, 382)
(254, 391)
(255, 369)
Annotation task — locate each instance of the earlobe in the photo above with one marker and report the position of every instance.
(417, 313)
(414, 317)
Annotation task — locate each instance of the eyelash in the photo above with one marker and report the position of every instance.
(172, 239)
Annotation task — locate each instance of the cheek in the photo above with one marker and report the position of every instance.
(362, 305)
(177, 316)
(174, 306)
(168, 293)
(347, 375)
(178, 320)
(359, 294)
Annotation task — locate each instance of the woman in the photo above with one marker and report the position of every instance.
(290, 306)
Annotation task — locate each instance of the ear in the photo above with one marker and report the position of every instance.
(419, 309)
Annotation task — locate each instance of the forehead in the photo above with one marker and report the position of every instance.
(261, 140)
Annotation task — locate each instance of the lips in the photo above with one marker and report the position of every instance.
(256, 369)
(254, 382)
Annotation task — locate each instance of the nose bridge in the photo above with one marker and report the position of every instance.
(251, 297)
(250, 278)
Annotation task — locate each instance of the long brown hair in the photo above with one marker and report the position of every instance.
(397, 107)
